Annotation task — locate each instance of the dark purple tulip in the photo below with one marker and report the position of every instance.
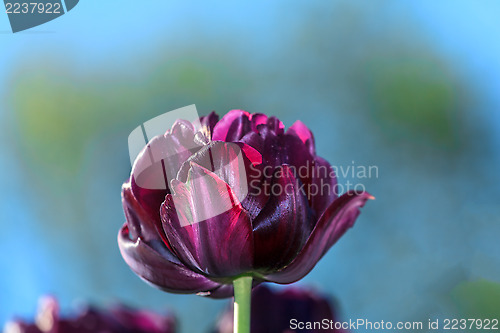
(219, 218)
(118, 319)
(275, 312)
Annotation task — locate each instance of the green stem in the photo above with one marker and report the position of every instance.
(242, 301)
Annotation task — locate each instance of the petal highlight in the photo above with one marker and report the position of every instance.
(206, 225)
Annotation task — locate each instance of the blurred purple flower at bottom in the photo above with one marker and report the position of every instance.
(118, 319)
(273, 312)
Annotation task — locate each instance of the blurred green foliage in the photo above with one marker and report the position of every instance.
(395, 76)
(415, 98)
(59, 111)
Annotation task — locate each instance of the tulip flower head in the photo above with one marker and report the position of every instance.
(239, 196)
(118, 319)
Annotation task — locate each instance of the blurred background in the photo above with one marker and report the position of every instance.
(409, 87)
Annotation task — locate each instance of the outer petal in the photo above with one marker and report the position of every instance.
(163, 270)
(323, 186)
(258, 119)
(227, 290)
(140, 221)
(217, 242)
(223, 291)
(335, 221)
(284, 220)
(321, 174)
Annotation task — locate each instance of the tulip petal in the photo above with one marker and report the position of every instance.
(300, 130)
(140, 221)
(334, 222)
(257, 119)
(277, 149)
(160, 267)
(223, 291)
(238, 165)
(323, 184)
(206, 226)
(253, 139)
(208, 123)
(237, 123)
(227, 290)
(284, 220)
(275, 125)
(158, 163)
(315, 173)
(227, 161)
